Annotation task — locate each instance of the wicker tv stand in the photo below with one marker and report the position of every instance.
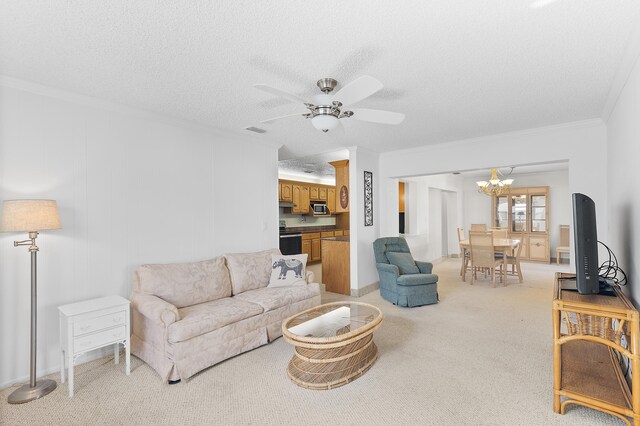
(595, 338)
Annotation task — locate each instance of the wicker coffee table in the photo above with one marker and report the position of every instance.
(333, 343)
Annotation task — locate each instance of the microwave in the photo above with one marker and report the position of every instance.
(319, 208)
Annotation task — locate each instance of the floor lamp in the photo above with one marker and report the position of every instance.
(30, 216)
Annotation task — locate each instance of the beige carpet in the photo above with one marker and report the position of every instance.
(482, 356)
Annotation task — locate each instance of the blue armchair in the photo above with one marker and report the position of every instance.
(403, 281)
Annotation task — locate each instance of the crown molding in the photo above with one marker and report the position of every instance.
(592, 122)
(92, 102)
(629, 61)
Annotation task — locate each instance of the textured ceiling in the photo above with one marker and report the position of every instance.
(315, 166)
(457, 69)
(517, 170)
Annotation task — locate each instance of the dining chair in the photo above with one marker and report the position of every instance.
(500, 233)
(478, 227)
(563, 247)
(514, 261)
(464, 253)
(483, 256)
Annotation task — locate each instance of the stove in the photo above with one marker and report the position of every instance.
(290, 241)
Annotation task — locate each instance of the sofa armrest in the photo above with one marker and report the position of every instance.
(310, 277)
(155, 309)
(425, 267)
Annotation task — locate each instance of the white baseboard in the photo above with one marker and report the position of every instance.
(359, 292)
(83, 359)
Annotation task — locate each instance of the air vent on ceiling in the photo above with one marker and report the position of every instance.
(456, 173)
(255, 129)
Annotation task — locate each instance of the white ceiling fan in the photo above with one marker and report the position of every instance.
(326, 108)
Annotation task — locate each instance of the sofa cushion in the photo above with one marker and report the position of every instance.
(210, 316)
(417, 279)
(250, 270)
(186, 284)
(271, 298)
(288, 270)
(404, 262)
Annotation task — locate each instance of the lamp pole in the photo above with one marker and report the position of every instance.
(30, 216)
(35, 389)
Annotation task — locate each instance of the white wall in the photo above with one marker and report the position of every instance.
(424, 211)
(130, 190)
(478, 206)
(623, 173)
(583, 144)
(299, 220)
(363, 271)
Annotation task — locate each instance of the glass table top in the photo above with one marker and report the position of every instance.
(333, 320)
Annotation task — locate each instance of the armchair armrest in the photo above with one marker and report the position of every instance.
(388, 268)
(155, 309)
(424, 267)
(310, 277)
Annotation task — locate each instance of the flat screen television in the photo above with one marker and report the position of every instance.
(585, 240)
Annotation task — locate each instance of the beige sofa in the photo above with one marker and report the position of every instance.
(189, 316)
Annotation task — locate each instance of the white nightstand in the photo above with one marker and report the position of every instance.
(93, 324)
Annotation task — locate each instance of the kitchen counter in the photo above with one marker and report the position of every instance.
(308, 229)
(340, 239)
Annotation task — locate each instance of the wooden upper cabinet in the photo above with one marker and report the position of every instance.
(342, 185)
(286, 192)
(296, 191)
(304, 200)
(331, 200)
(322, 194)
(301, 195)
(313, 193)
(401, 197)
(300, 199)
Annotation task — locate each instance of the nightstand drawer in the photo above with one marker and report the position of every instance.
(86, 343)
(99, 323)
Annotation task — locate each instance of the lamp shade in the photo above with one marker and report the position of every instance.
(324, 122)
(29, 215)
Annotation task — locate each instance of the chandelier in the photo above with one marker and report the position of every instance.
(495, 186)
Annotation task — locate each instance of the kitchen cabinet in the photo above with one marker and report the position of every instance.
(331, 200)
(313, 193)
(524, 212)
(315, 249)
(285, 192)
(311, 246)
(322, 194)
(306, 248)
(301, 194)
(300, 199)
(342, 185)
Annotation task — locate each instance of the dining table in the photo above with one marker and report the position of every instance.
(500, 245)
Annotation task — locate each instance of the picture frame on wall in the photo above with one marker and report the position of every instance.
(368, 198)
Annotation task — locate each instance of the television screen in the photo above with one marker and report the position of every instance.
(586, 244)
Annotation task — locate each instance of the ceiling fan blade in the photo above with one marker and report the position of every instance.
(271, 120)
(278, 92)
(377, 116)
(357, 90)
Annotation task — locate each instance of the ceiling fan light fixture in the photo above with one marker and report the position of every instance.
(325, 122)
